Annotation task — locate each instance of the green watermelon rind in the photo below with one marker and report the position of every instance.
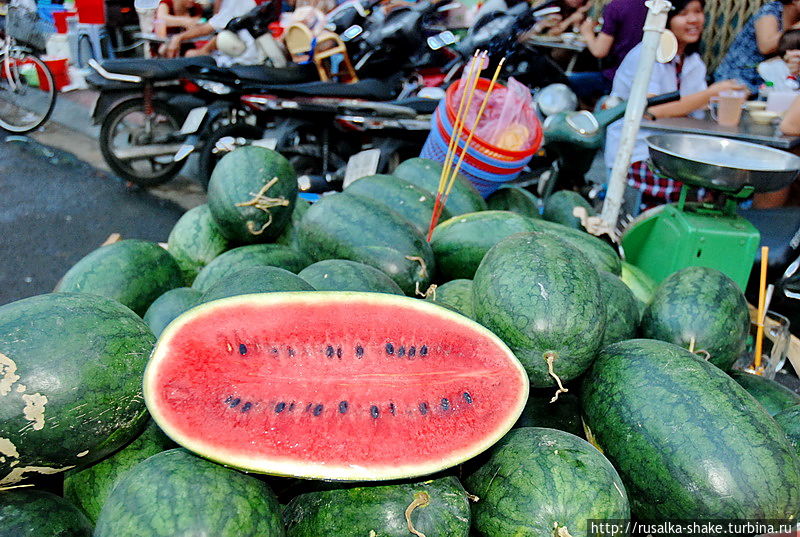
(772, 395)
(515, 199)
(346, 275)
(37, 513)
(424, 173)
(254, 280)
(168, 306)
(622, 309)
(194, 241)
(322, 470)
(558, 208)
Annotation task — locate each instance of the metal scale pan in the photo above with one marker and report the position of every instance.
(722, 164)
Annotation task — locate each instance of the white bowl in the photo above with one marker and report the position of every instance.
(755, 105)
(763, 117)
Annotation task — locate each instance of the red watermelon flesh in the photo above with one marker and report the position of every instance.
(340, 386)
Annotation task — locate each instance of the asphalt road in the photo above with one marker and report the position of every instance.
(55, 209)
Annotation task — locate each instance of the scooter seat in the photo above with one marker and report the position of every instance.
(156, 68)
(420, 105)
(371, 89)
(778, 228)
(291, 74)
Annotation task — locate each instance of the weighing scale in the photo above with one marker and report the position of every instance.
(668, 238)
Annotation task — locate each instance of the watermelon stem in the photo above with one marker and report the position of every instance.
(550, 357)
(560, 531)
(423, 270)
(263, 203)
(421, 499)
(431, 292)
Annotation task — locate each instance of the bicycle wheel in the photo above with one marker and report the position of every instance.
(27, 92)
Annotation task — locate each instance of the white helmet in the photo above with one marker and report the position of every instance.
(231, 44)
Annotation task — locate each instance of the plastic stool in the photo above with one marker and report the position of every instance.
(98, 40)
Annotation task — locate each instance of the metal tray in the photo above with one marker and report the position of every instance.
(722, 163)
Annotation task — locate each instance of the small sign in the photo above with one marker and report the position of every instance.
(361, 165)
(268, 143)
(193, 120)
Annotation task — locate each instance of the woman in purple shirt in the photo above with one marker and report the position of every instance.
(623, 21)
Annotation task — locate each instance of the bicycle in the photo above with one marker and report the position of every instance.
(27, 87)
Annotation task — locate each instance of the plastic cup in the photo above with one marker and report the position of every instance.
(726, 108)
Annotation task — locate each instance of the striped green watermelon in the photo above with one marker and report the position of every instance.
(460, 243)
(88, 488)
(687, 440)
(703, 309)
(774, 396)
(132, 272)
(71, 366)
(344, 275)
(515, 199)
(411, 201)
(195, 240)
(455, 295)
(251, 194)
(545, 482)
(424, 173)
(789, 420)
(543, 299)
(175, 493)
(622, 311)
(36, 513)
(253, 255)
(341, 226)
(558, 208)
(599, 252)
(255, 280)
(435, 507)
(289, 235)
(168, 306)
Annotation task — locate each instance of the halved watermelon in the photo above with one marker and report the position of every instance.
(333, 385)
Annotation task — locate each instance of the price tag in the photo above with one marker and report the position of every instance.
(361, 165)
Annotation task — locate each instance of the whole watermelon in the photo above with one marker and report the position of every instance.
(544, 482)
(435, 507)
(175, 493)
(132, 272)
(168, 306)
(341, 226)
(640, 283)
(542, 298)
(515, 199)
(36, 513)
(195, 240)
(774, 396)
(251, 194)
(253, 255)
(88, 488)
(700, 306)
(425, 173)
(455, 295)
(255, 280)
(345, 275)
(558, 208)
(687, 440)
(71, 367)
(622, 311)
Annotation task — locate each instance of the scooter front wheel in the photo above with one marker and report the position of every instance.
(139, 146)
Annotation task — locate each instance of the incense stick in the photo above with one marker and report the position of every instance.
(762, 290)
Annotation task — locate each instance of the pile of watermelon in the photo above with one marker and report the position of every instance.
(281, 368)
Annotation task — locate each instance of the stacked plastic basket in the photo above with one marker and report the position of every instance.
(485, 165)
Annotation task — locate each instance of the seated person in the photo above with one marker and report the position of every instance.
(623, 21)
(685, 73)
(758, 40)
(569, 19)
(174, 15)
(228, 10)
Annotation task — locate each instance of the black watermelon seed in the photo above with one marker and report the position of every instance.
(242, 349)
(389, 348)
(247, 406)
(308, 408)
(339, 352)
(445, 404)
(235, 402)
(343, 407)
(412, 351)
(401, 351)
(318, 410)
(329, 351)
(423, 407)
(423, 351)
(359, 351)
(291, 407)
(291, 351)
(467, 397)
(274, 350)
(228, 399)
(392, 408)
(280, 407)
(374, 411)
